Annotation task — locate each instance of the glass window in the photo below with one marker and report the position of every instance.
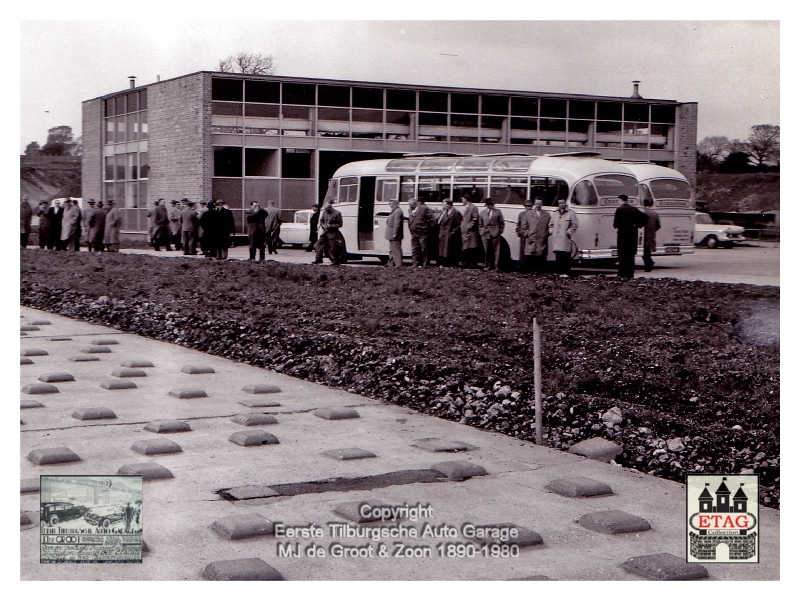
(468, 121)
(133, 166)
(143, 125)
(513, 163)
(407, 188)
(579, 126)
(662, 114)
(644, 192)
(226, 89)
(474, 163)
(133, 127)
(524, 124)
(368, 116)
(581, 109)
(333, 114)
(298, 93)
(491, 122)
(703, 219)
(525, 107)
(120, 105)
(144, 166)
(232, 109)
(269, 111)
(297, 163)
(228, 162)
(367, 97)
(401, 99)
(584, 194)
(494, 105)
(437, 119)
(133, 102)
(609, 111)
(143, 196)
(553, 124)
(348, 189)
(120, 128)
(402, 165)
(109, 108)
(143, 99)
(609, 127)
(464, 103)
(611, 186)
(386, 190)
(637, 112)
(636, 128)
(549, 189)
(434, 101)
(109, 191)
(262, 91)
(438, 164)
(332, 191)
(334, 95)
(109, 170)
(670, 188)
(552, 107)
(509, 190)
(434, 189)
(475, 188)
(131, 194)
(295, 112)
(110, 130)
(260, 162)
(119, 173)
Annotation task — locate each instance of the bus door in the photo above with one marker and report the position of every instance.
(366, 209)
(386, 190)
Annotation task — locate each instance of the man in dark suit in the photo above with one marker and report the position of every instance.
(256, 231)
(491, 226)
(313, 225)
(331, 242)
(273, 226)
(55, 215)
(189, 223)
(627, 220)
(420, 222)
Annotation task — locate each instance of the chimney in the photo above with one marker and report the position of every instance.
(636, 93)
(158, 77)
(133, 80)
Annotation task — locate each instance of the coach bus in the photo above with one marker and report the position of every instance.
(362, 191)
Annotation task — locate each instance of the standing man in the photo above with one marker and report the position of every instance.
(627, 220)
(313, 226)
(161, 226)
(256, 230)
(273, 226)
(491, 226)
(189, 224)
(44, 225)
(226, 225)
(537, 232)
(420, 221)
(201, 234)
(562, 226)
(55, 215)
(113, 224)
(209, 223)
(150, 217)
(522, 233)
(449, 235)
(86, 224)
(394, 233)
(331, 242)
(653, 224)
(469, 232)
(174, 215)
(25, 216)
(97, 226)
(70, 226)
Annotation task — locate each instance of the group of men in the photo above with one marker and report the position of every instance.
(263, 229)
(184, 227)
(627, 221)
(64, 226)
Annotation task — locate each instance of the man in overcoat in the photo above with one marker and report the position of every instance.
(256, 231)
(113, 225)
(161, 226)
(394, 233)
(273, 226)
(25, 216)
(174, 215)
(536, 231)
(653, 224)
(420, 222)
(563, 224)
(97, 226)
(313, 228)
(70, 225)
(627, 221)
(189, 224)
(226, 226)
(331, 242)
(470, 237)
(55, 215)
(491, 226)
(449, 235)
(44, 224)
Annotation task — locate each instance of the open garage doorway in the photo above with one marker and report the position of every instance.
(329, 161)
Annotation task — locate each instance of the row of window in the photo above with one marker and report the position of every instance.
(235, 161)
(126, 128)
(126, 103)
(309, 94)
(130, 166)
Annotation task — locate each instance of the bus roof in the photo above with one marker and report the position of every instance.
(647, 171)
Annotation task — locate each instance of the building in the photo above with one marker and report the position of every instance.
(235, 137)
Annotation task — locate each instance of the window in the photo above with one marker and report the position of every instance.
(144, 166)
(262, 91)
(226, 89)
(386, 190)
(581, 109)
(435, 119)
(644, 192)
(110, 126)
(143, 100)
(368, 116)
(119, 172)
(584, 194)
(434, 189)
(109, 108)
(703, 219)
(120, 128)
(295, 112)
(671, 188)
(133, 102)
(553, 124)
(367, 97)
(334, 95)
(143, 125)
(333, 114)
(433, 101)
(549, 189)
(464, 103)
(298, 93)
(611, 186)
(133, 166)
(552, 107)
(407, 188)
(637, 112)
(228, 162)
(525, 107)
(401, 99)
(609, 111)
(296, 163)
(133, 127)
(120, 105)
(109, 170)
(348, 189)
(663, 114)
(264, 111)
(494, 105)
(509, 190)
(232, 109)
(473, 187)
(260, 162)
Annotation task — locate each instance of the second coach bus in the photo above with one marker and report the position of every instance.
(591, 185)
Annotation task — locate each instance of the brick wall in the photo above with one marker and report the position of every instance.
(92, 159)
(179, 138)
(686, 141)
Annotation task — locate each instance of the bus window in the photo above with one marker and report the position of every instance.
(348, 189)
(611, 186)
(386, 190)
(583, 194)
(407, 189)
(671, 188)
(550, 189)
(434, 189)
(474, 187)
(509, 190)
(644, 192)
(513, 163)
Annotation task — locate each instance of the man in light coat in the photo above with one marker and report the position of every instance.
(491, 226)
(97, 226)
(470, 237)
(273, 226)
(189, 223)
(113, 225)
(70, 225)
(394, 233)
(449, 235)
(562, 226)
(535, 225)
(174, 216)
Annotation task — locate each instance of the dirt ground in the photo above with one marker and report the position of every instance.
(692, 367)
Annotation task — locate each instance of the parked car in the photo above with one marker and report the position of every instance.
(105, 515)
(710, 234)
(297, 233)
(55, 512)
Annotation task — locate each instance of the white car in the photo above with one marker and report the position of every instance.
(710, 234)
(297, 233)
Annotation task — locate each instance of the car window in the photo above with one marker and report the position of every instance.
(703, 219)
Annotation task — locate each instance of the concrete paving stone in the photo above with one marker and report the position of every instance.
(52, 456)
(261, 388)
(137, 364)
(84, 358)
(148, 471)
(40, 388)
(30, 404)
(255, 419)
(437, 445)
(128, 373)
(40, 322)
(241, 569)
(56, 377)
(145, 547)
(260, 403)
(597, 448)
(34, 352)
(168, 426)
(96, 350)
(33, 520)
(25, 361)
(248, 492)
(243, 526)
(156, 446)
(458, 470)
(349, 454)
(22, 334)
(61, 338)
(664, 567)
(253, 438)
(336, 414)
(94, 413)
(104, 342)
(579, 487)
(187, 393)
(29, 486)
(352, 510)
(525, 537)
(613, 522)
(197, 369)
(28, 328)
(117, 384)
(532, 578)
(24, 519)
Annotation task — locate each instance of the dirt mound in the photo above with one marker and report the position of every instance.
(740, 192)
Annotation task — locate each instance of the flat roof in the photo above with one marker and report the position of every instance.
(431, 88)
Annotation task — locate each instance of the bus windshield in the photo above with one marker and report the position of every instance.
(670, 188)
(612, 185)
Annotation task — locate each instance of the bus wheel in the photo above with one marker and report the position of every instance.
(711, 241)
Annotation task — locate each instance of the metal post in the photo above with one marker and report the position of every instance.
(537, 379)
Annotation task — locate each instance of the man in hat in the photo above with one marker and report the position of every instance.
(209, 223)
(189, 224)
(563, 225)
(113, 223)
(491, 225)
(161, 226)
(71, 225)
(273, 226)
(331, 242)
(653, 224)
(470, 236)
(535, 224)
(522, 232)
(449, 235)
(25, 216)
(256, 231)
(44, 224)
(313, 226)
(420, 222)
(394, 233)
(55, 214)
(226, 224)
(627, 220)
(97, 225)
(174, 216)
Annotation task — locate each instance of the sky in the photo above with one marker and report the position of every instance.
(730, 68)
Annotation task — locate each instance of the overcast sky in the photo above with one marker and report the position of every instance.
(731, 68)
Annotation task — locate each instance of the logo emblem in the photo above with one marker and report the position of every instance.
(722, 518)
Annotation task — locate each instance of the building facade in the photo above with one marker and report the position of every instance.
(239, 138)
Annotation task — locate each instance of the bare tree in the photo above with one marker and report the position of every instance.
(714, 147)
(764, 143)
(248, 63)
